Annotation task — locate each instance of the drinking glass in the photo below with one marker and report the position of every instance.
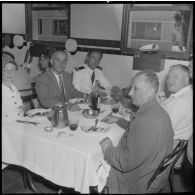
(73, 124)
(115, 108)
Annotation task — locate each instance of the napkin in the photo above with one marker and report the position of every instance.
(103, 173)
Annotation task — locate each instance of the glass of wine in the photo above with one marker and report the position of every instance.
(73, 124)
(115, 108)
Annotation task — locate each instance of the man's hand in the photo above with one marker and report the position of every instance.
(105, 144)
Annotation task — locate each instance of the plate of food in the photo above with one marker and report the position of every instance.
(38, 112)
(124, 112)
(76, 101)
(102, 128)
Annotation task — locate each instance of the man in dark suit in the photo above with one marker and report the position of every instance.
(145, 143)
(55, 84)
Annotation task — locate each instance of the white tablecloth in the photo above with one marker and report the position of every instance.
(70, 161)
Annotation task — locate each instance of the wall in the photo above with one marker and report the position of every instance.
(118, 68)
(13, 18)
(96, 21)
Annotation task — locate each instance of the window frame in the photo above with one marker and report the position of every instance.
(127, 8)
(28, 12)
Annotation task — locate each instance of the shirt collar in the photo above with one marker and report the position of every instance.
(181, 91)
(146, 106)
(86, 66)
(56, 75)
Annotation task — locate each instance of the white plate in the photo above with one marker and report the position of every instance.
(42, 112)
(124, 112)
(103, 128)
(76, 100)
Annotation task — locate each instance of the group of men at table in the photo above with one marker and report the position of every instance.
(150, 135)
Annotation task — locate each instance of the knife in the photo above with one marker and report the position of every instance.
(27, 122)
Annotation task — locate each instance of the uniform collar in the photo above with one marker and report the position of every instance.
(86, 66)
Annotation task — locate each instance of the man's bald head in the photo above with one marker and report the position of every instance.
(178, 78)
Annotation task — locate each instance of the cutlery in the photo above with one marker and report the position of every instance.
(36, 114)
(96, 122)
(27, 122)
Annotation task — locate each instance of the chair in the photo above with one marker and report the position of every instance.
(29, 184)
(29, 99)
(166, 167)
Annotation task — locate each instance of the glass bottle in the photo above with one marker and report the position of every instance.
(95, 97)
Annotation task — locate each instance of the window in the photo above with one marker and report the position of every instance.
(146, 30)
(60, 27)
(48, 22)
(40, 26)
(168, 25)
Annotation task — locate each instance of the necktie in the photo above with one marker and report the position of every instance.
(92, 77)
(61, 85)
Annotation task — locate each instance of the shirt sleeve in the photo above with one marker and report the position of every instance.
(179, 111)
(123, 123)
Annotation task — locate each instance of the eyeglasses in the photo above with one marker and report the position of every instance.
(9, 71)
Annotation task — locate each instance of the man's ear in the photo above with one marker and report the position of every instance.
(151, 92)
(51, 61)
(87, 59)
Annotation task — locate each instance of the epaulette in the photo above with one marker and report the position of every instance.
(79, 68)
(99, 67)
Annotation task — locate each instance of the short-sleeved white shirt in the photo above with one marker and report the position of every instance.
(179, 107)
(82, 79)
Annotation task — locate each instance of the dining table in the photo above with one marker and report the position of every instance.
(68, 158)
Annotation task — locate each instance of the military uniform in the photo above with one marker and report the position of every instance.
(82, 78)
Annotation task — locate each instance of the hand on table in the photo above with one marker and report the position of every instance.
(105, 144)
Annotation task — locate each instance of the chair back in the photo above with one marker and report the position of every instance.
(165, 166)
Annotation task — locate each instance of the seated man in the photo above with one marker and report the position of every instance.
(55, 84)
(145, 143)
(179, 105)
(84, 76)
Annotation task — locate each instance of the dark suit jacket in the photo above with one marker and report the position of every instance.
(141, 149)
(48, 91)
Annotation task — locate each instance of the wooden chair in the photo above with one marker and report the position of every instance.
(28, 100)
(29, 184)
(166, 167)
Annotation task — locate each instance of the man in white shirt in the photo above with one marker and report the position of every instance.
(84, 77)
(179, 104)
